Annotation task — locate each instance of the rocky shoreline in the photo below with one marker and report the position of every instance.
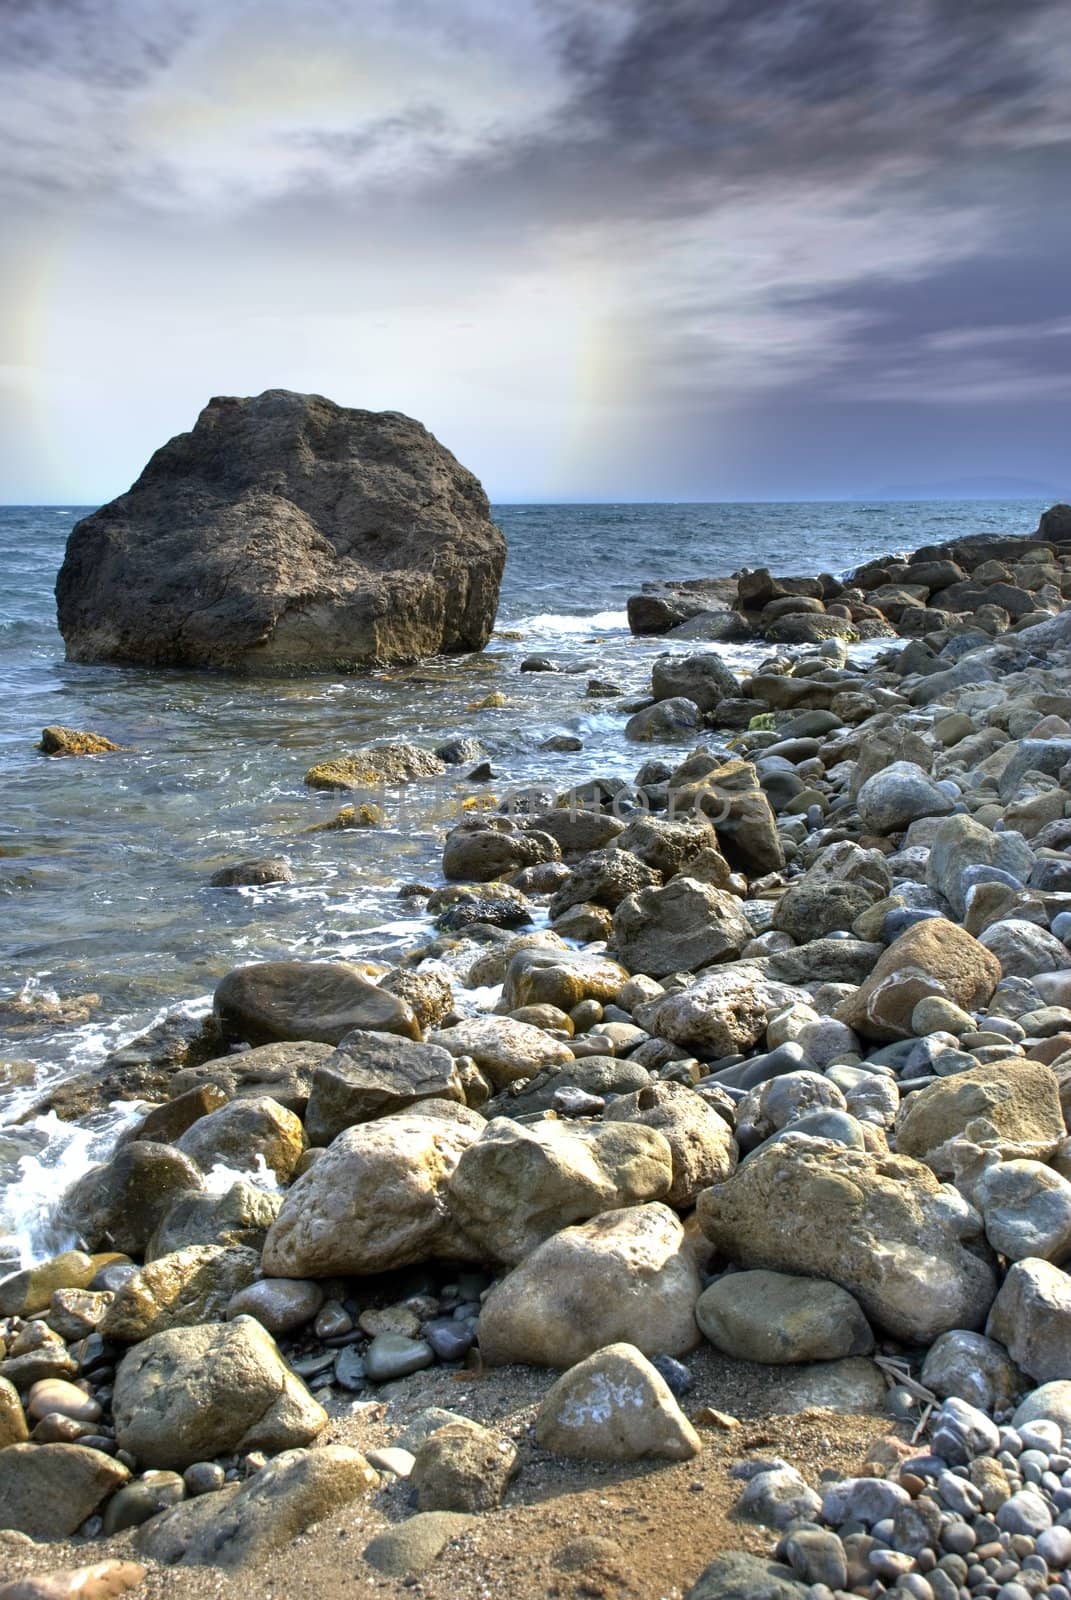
(779, 1072)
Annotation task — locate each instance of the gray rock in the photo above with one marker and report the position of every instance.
(1031, 1317)
(279, 1304)
(733, 1575)
(898, 795)
(237, 1134)
(462, 1467)
(296, 535)
(118, 1205)
(393, 1355)
(271, 1001)
(959, 1432)
(241, 1215)
(680, 928)
(779, 1497)
(48, 1490)
(615, 1406)
(1051, 1402)
(973, 1368)
(666, 722)
(372, 1074)
(1023, 949)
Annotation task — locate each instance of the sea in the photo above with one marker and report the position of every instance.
(105, 862)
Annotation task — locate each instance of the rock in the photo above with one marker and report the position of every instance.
(241, 1215)
(881, 1227)
(374, 767)
(1031, 1318)
(701, 1144)
(13, 1429)
(57, 1396)
(726, 1011)
(1026, 1208)
(604, 878)
(245, 1523)
(816, 1555)
(729, 794)
(562, 978)
(406, 1549)
(375, 1200)
(517, 1185)
(970, 1367)
(897, 796)
(853, 1385)
(48, 1490)
(779, 1498)
(190, 1394)
(136, 1502)
(679, 928)
(56, 741)
(615, 1406)
(772, 1317)
(624, 1277)
(733, 1575)
(462, 1467)
(480, 851)
(271, 1001)
(960, 842)
(279, 1304)
(94, 1582)
(395, 1355)
(703, 678)
(120, 1204)
(241, 1132)
(503, 1048)
(32, 1289)
(253, 874)
(283, 1071)
(295, 535)
(1023, 949)
(665, 722)
(1011, 1105)
(372, 1074)
(1049, 1402)
(427, 992)
(809, 910)
(178, 1290)
(596, 1076)
(577, 831)
(782, 1101)
(931, 957)
(669, 846)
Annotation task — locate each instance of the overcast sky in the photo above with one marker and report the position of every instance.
(605, 249)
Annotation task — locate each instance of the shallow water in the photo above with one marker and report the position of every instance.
(104, 863)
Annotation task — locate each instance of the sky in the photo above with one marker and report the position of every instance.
(604, 249)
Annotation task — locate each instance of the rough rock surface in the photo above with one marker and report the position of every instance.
(48, 1490)
(373, 1201)
(932, 957)
(1011, 1105)
(286, 533)
(271, 1001)
(679, 928)
(372, 1074)
(615, 1406)
(244, 1523)
(193, 1393)
(625, 1277)
(909, 1249)
(777, 1318)
(517, 1185)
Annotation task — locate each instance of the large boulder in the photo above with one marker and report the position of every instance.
(243, 1132)
(725, 1011)
(898, 795)
(909, 1249)
(503, 1048)
(679, 928)
(701, 1143)
(625, 1277)
(1031, 1318)
(779, 1318)
(48, 1490)
(703, 678)
(245, 1522)
(286, 533)
(193, 1393)
(119, 1205)
(375, 1200)
(517, 1185)
(1011, 1106)
(729, 794)
(933, 957)
(188, 1286)
(269, 1001)
(371, 1074)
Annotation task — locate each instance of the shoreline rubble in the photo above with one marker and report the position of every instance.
(800, 1013)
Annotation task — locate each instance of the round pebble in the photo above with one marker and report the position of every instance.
(204, 1477)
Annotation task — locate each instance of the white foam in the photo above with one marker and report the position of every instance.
(29, 1208)
(557, 622)
(221, 1178)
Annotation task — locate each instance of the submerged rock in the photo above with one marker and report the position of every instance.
(286, 533)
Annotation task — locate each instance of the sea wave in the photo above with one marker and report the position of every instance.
(551, 622)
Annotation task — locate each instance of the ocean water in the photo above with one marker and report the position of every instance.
(104, 863)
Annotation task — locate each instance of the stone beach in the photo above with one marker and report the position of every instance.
(769, 1086)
